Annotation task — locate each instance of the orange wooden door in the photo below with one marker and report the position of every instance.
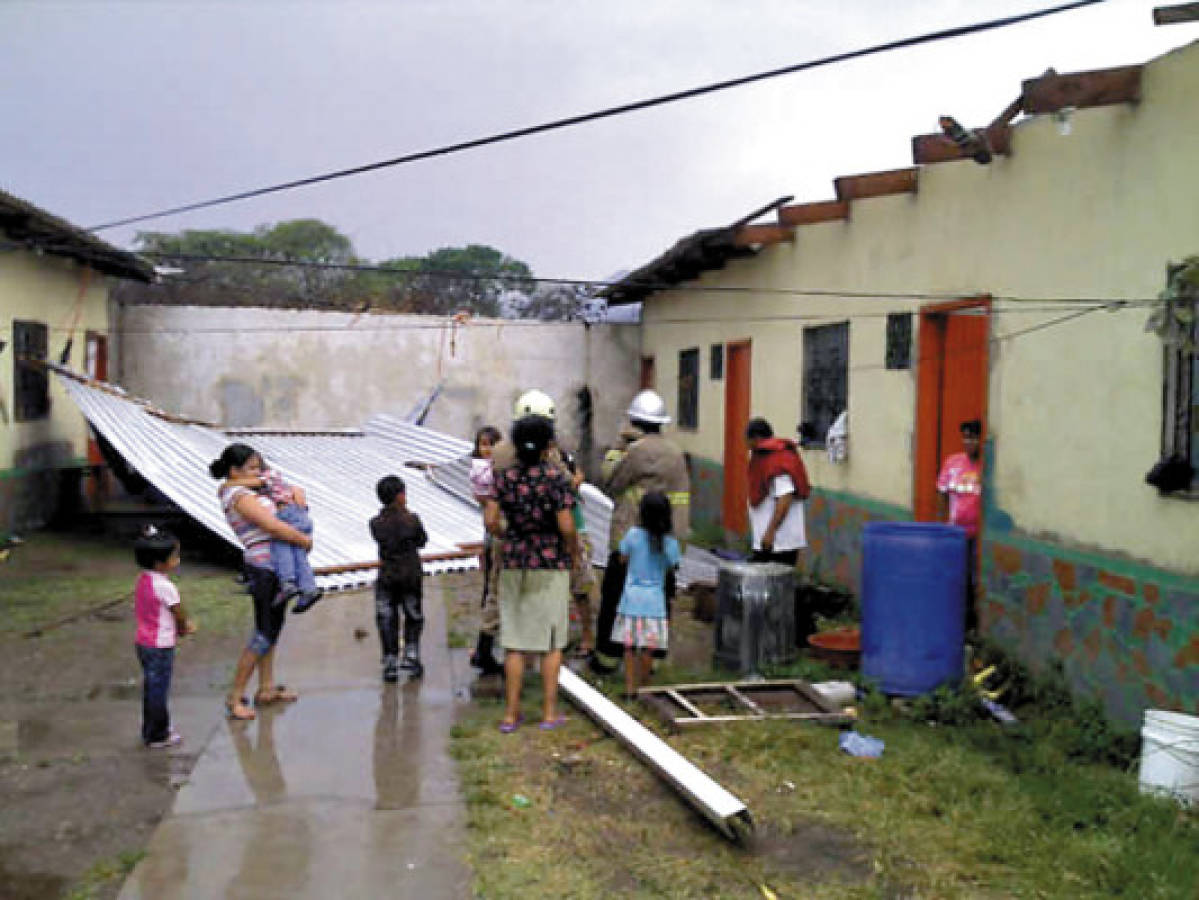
(647, 373)
(737, 369)
(951, 389)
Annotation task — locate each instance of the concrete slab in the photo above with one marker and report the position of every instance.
(349, 792)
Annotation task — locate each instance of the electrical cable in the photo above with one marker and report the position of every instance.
(609, 112)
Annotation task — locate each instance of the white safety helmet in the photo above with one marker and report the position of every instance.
(534, 403)
(648, 407)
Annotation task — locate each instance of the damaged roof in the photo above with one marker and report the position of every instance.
(23, 223)
(338, 471)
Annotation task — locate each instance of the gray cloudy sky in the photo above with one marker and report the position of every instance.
(111, 109)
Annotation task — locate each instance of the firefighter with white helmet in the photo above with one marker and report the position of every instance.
(651, 463)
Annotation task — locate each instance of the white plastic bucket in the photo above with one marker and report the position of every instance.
(837, 693)
(1170, 755)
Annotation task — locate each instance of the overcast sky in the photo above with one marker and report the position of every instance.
(112, 109)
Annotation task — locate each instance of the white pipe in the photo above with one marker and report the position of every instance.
(724, 810)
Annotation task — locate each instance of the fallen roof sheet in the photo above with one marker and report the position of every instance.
(454, 477)
(338, 471)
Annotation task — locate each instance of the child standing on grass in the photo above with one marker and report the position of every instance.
(289, 562)
(400, 535)
(161, 621)
(641, 625)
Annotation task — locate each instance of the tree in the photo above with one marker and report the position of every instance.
(479, 279)
(212, 283)
(474, 278)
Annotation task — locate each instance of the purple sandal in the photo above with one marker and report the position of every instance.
(553, 723)
(509, 727)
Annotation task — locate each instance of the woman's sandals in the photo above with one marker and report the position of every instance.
(278, 694)
(239, 710)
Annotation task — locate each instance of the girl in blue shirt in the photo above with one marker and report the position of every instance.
(641, 625)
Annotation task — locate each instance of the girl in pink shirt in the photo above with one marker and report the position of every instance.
(161, 621)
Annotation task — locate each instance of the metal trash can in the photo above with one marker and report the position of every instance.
(755, 616)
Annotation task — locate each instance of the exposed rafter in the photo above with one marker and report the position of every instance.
(1098, 87)
(876, 184)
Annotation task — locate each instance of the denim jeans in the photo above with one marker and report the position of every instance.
(390, 603)
(268, 616)
(157, 663)
(289, 561)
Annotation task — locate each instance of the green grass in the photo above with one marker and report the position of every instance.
(970, 810)
(52, 576)
(103, 874)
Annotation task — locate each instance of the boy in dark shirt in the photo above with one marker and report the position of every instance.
(400, 535)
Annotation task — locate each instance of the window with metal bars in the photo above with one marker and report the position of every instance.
(899, 341)
(689, 388)
(1180, 423)
(825, 378)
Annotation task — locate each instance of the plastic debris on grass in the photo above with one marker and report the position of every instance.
(863, 745)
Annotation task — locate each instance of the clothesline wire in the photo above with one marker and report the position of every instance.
(466, 275)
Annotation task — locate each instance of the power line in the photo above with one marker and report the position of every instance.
(609, 112)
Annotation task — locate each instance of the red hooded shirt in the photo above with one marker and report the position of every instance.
(772, 458)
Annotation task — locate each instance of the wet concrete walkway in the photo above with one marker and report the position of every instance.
(349, 792)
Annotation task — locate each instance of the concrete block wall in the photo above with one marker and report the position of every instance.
(273, 368)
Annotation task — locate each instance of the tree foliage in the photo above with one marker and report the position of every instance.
(307, 263)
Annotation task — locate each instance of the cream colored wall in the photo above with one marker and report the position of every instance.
(1075, 408)
(46, 289)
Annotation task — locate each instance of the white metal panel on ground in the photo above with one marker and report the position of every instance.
(338, 471)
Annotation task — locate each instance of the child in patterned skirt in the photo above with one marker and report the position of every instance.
(650, 552)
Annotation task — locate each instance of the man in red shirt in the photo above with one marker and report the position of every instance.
(960, 487)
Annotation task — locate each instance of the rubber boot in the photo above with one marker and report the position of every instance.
(482, 659)
(411, 660)
(391, 669)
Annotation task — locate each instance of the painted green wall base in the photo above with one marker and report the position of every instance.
(1124, 634)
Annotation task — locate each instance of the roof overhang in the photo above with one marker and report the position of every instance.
(26, 225)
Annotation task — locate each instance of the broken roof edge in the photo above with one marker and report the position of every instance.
(1041, 95)
(38, 230)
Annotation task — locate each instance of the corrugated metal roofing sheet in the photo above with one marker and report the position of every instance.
(454, 476)
(338, 471)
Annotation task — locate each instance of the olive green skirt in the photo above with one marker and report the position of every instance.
(534, 609)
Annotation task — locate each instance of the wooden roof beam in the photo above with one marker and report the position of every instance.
(810, 213)
(1174, 15)
(762, 235)
(876, 184)
(1099, 87)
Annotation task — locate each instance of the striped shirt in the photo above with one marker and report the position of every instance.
(255, 541)
(153, 597)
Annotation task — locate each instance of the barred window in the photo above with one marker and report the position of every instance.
(899, 341)
(689, 388)
(825, 378)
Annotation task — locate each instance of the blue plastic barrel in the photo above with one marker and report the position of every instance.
(913, 605)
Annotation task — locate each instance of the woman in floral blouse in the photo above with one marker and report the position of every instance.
(535, 501)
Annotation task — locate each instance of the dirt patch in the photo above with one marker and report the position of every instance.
(814, 851)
